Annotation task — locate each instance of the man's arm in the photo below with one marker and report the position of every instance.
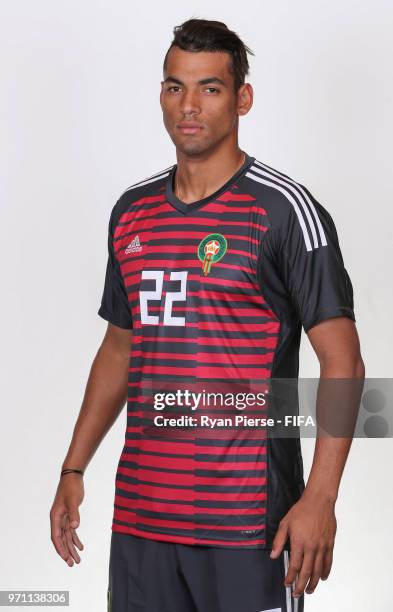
(104, 398)
(311, 523)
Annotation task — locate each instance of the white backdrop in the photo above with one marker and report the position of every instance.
(80, 121)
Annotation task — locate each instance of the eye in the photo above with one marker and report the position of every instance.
(171, 87)
(214, 89)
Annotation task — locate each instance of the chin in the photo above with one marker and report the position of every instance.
(191, 148)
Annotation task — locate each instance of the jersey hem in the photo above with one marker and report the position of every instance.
(176, 539)
(104, 314)
(329, 313)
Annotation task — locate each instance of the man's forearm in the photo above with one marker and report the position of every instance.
(330, 456)
(331, 451)
(105, 395)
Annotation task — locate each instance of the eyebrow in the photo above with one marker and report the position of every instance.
(206, 81)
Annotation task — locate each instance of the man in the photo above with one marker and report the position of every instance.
(215, 264)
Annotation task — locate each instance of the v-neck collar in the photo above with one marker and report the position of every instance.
(192, 206)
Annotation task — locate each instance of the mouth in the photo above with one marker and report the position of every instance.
(190, 128)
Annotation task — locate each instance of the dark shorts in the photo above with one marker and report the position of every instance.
(152, 576)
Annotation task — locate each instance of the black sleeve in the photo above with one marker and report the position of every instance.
(114, 303)
(301, 269)
(312, 266)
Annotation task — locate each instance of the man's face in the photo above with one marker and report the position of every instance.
(200, 106)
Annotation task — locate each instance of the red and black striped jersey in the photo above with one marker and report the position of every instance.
(216, 293)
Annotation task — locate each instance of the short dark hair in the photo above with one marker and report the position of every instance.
(205, 35)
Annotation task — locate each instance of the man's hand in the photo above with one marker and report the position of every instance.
(64, 517)
(105, 395)
(311, 526)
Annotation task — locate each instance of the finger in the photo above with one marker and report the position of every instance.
(279, 540)
(69, 557)
(73, 516)
(327, 563)
(56, 532)
(76, 539)
(71, 546)
(295, 564)
(305, 573)
(317, 571)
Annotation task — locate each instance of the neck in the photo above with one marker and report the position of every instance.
(198, 177)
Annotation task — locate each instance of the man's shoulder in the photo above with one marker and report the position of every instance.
(280, 191)
(288, 202)
(147, 186)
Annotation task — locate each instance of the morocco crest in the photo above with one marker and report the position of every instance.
(210, 250)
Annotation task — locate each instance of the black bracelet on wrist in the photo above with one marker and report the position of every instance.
(70, 470)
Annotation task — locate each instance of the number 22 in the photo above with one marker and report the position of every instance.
(156, 294)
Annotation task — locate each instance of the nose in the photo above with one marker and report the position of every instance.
(189, 102)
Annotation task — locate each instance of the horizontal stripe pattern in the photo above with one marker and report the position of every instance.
(179, 485)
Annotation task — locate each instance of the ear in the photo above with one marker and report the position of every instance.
(161, 92)
(245, 98)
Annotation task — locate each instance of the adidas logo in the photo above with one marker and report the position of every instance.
(134, 246)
